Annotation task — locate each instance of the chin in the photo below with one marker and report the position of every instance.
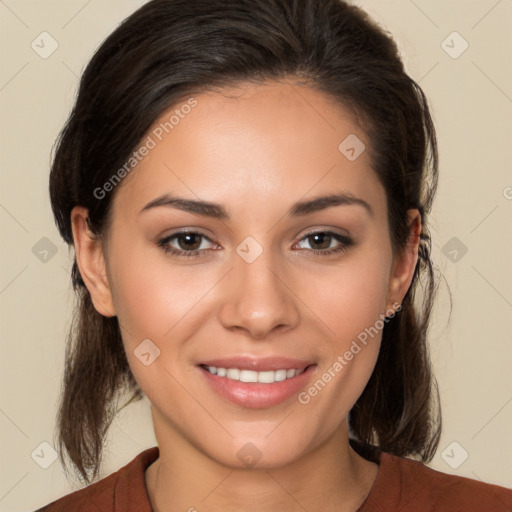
(258, 452)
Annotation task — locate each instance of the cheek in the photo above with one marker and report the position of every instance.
(151, 298)
(352, 294)
(158, 299)
(147, 294)
(350, 302)
(154, 300)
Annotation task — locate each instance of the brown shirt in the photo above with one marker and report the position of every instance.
(401, 485)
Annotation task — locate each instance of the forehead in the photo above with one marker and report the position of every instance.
(253, 146)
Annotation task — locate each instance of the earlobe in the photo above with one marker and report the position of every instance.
(91, 262)
(405, 262)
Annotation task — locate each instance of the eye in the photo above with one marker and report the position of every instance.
(190, 243)
(324, 239)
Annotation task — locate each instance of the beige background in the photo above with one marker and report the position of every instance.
(471, 98)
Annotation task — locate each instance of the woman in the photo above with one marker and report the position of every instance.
(246, 185)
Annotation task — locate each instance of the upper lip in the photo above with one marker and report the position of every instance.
(259, 364)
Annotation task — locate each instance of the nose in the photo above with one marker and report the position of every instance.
(258, 299)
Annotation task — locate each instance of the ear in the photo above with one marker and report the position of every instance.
(405, 261)
(91, 262)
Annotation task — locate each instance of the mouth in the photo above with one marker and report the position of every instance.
(257, 383)
(263, 377)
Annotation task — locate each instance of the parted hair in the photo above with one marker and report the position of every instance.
(168, 49)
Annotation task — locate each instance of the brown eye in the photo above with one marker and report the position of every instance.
(189, 243)
(321, 241)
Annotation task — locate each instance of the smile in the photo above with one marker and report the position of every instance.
(265, 377)
(257, 388)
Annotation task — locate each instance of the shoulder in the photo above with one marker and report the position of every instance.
(121, 490)
(410, 485)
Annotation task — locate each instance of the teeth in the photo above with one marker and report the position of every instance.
(233, 373)
(267, 377)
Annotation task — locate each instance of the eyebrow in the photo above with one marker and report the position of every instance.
(299, 209)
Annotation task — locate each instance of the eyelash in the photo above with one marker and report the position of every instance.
(345, 243)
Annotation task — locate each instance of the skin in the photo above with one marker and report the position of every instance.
(256, 151)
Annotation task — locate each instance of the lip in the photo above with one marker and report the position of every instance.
(257, 395)
(258, 364)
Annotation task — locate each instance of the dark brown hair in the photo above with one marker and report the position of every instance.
(170, 48)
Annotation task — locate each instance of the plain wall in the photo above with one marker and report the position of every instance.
(471, 100)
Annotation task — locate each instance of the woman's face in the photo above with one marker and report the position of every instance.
(253, 293)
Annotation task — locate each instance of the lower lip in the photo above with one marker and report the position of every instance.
(257, 395)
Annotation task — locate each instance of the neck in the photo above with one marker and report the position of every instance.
(331, 476)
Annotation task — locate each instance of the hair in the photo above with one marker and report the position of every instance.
(170, 48)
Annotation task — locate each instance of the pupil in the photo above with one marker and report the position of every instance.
(187, 237)
(322, 235)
